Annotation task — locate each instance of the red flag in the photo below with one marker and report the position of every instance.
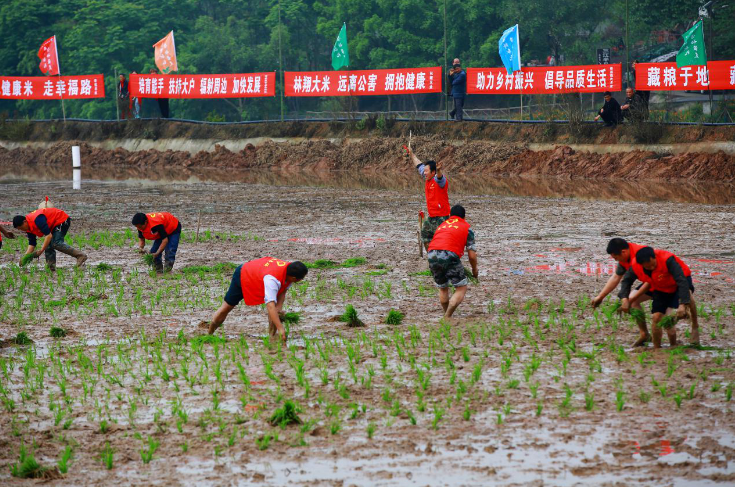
(165, 54)
(49, 57)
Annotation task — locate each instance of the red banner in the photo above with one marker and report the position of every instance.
(54, 88)
(202, 85)
(545, 80)
(369, 82)
(717, 75)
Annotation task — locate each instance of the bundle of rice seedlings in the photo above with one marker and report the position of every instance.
(350, 317)
(286, 415)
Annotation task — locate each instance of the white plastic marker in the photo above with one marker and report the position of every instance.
(76, 160)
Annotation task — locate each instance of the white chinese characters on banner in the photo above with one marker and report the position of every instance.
(203, 85)
(543, 79)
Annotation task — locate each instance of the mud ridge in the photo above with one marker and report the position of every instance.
(386, 154)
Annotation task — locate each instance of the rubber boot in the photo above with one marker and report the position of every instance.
(168, 267)
(77, 254)
(51, 263)
(158, 266)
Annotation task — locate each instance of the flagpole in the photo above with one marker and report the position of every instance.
(446, 97)
(61, 92)
(280, 58)
(520, 66)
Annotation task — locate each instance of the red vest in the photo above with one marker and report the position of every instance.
(451, 235)
(437, 199)
(634, 248)
(54, 218)
(252, 274)
(660, 279)
(169, 222)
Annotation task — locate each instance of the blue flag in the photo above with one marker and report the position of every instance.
(510, 50)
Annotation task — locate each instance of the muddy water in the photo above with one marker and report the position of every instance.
(536, 239)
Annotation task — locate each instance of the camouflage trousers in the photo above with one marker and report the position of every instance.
(447, 268)
(429, 227)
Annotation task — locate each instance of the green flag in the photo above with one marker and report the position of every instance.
(692, 53)
(340, 54)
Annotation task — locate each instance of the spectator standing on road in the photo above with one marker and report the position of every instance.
(610, 111)
(646, 95)
(123, 97)
(135, 104)
(635, 108)
(162, 102)
(458, 84)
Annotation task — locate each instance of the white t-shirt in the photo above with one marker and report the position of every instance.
(272, 286)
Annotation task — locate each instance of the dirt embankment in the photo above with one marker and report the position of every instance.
(386, 154)
(553, 133)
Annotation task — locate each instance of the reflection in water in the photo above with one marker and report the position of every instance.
(474, 183)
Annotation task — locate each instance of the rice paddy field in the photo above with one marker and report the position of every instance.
(108, 377)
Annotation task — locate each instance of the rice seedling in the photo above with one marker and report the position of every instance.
(668, 322)
(28, 467)
(57, 332)
(63, 463)
(370, 430)
(103, 267)
(148, 259)
(22, 339)
(286, 415)
(264, 441)
(394, 317)
(146, 454)
(107, 456)
(637, 315)
(26, 259)
(350, 317)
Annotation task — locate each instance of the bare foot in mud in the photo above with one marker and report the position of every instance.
(694, 339)
(643, 340)
(203, 325)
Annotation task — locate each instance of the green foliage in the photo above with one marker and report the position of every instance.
(57, 332)
(330, 264)
(286, 415)
(148, 259)
(350, 317)
(26, 259)
(211, 339)
(28, 467)
(217, 268)
(470, 277)
(103, 267)
(215, 37)
(395, 317)
(22, 339)
(668, 322)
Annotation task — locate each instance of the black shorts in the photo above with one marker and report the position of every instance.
(234, 294)
(663, 301)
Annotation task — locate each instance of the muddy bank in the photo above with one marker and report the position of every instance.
(557, 133)
(385, 154)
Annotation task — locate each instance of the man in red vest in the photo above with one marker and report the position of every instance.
(624, 254)
(165, 231)
(52, 225)
(5, 233)
(671, 282)
(445, 252)
(261, 281)
(436, 188)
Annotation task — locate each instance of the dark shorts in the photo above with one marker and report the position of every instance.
(447, 269)
(429, 227)
(662, 301)
(234, 294)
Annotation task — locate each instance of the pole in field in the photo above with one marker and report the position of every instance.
(76, 163)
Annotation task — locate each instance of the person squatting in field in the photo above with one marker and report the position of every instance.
(52, 225)
(436, 188)
(670, 281)
(624, 254)
(445, 253)
(261, 281)
(165, 231)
